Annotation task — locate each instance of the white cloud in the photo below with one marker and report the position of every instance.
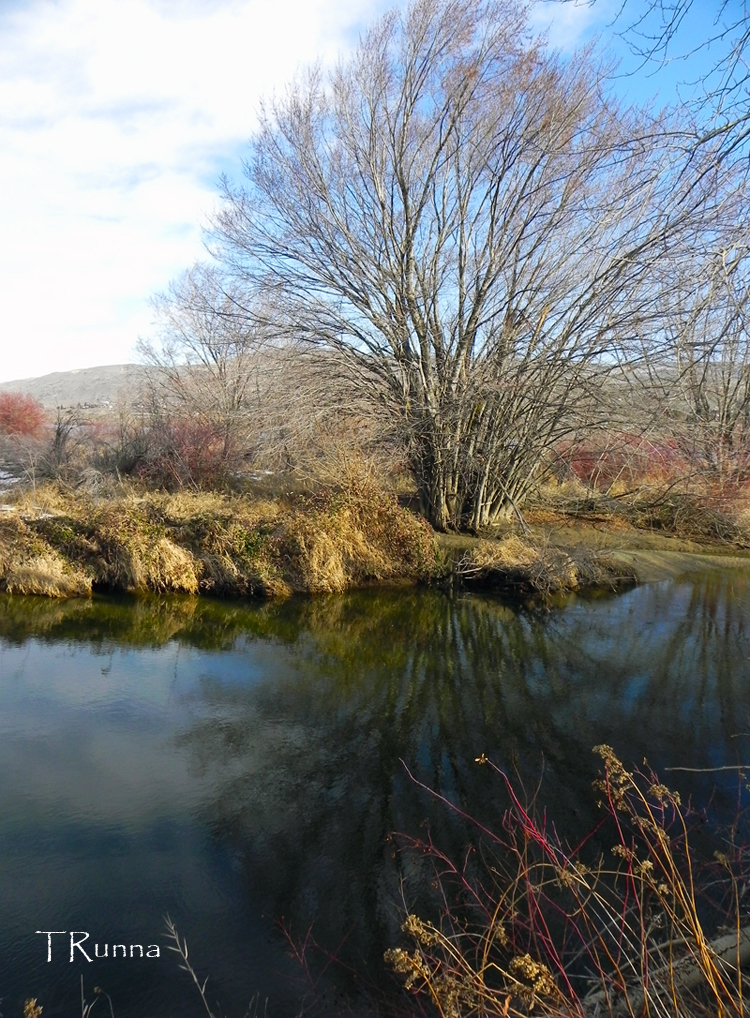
(116, 117)
(570, 23)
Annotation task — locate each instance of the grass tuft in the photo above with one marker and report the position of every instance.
(537, 566)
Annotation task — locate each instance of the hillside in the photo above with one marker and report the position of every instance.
(86, 387)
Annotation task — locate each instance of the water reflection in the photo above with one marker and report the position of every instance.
(284, 725)
(312, 779)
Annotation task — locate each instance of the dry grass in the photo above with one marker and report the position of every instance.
(349, 537)
(663, 505)
(650, 927)
(535, 565)
(28, 565)
(63, 543)
(48, 575)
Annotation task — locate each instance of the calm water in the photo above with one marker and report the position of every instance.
(239, 767)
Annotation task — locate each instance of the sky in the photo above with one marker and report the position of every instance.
(117, 118)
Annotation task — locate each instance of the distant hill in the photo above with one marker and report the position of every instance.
(87, 387)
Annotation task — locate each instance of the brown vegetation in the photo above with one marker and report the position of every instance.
(650, 926)
(668, 503)
(60, 542)
(30, 565)
(533, 564)
(63, 543)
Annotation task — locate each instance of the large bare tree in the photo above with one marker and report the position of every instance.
(471, 222)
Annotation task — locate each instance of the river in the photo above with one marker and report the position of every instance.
(240, 767)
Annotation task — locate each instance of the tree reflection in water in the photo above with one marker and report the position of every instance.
(311, 774)
(305, 749)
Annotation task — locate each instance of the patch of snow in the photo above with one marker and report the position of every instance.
(7, 480)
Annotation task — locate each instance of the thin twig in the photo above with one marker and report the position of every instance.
(182, 950)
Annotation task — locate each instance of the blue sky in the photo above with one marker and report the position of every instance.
(116, 119)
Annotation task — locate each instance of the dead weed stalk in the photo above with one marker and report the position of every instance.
(646, 927)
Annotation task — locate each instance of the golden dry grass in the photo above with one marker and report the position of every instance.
(63, 543)
(48, 575)
(536, 565)
(30, 566)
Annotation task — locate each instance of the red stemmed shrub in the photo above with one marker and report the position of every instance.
(21, 414)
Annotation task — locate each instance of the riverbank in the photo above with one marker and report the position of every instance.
(562, 552)
(65, 544)
(62, 543)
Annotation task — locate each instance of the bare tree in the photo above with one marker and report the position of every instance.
(656, 32)
(208, 350)
(701, 381)
(470, 222)
(227, 389)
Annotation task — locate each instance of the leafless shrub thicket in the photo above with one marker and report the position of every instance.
(229, 396)
(39, 445)
(701, 381)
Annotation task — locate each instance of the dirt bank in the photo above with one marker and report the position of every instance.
(566, 554)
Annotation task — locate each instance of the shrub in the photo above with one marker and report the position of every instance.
(650, 926)
(21, 414)
(187, 453)
(622, 459)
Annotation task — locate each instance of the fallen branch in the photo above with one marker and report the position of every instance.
(724, 954)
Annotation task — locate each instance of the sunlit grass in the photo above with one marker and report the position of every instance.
(61, 543)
